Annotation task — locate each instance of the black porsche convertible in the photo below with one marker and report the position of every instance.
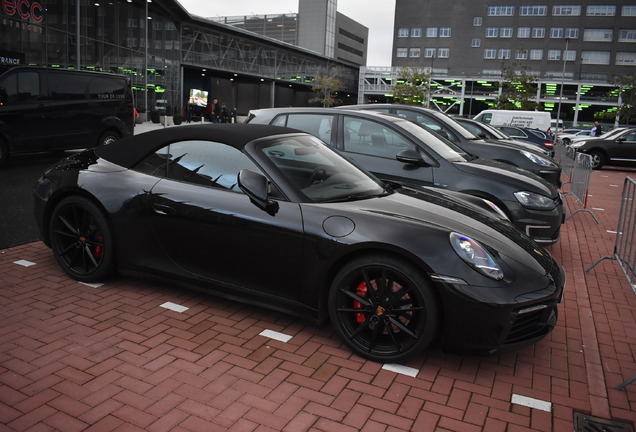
(273, 217)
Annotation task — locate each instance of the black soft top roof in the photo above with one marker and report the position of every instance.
(128, 151)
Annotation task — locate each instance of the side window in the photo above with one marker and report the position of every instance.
(318, 125)
(101, 88)
(486, 118)
(67, 86)
(20, 87)
(204, 163)
(631, 137)
(429, 122)
(373, 139)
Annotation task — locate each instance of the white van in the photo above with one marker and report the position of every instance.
(529, 119)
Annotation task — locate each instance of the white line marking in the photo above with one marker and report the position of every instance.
(92, 285)
(531, 402)
(400, 369)
(24, 263)
(275, 335)
(597, 208)
(174, 307)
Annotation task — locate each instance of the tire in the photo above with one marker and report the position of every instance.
(107, 137)
(566, 141)
(383, 325)
(81, 240)
(598, 159)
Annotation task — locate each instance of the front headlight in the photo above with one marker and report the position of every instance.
(535, 158)
(534, 201)
(476, 256)
(577, 144)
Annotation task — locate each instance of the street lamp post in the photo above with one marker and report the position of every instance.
(565, 59)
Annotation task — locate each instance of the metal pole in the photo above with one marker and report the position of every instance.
(77, 37)
(565, 53)
(146, 61)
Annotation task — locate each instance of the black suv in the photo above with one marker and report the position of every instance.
(398, 150)
(44, 109)
(520, 154)
(617, 148)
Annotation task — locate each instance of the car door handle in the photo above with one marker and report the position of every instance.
(164, 209)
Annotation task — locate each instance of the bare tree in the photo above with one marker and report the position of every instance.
(326, 87)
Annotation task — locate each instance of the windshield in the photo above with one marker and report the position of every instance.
(318, 171)
(434, 142)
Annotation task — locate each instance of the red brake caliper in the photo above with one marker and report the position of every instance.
(99, 249)
(362, 292)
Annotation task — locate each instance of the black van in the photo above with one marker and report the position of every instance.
(44, 109)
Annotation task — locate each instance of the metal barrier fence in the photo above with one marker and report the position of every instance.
(565, 156)
(625, 245)
(580, 180)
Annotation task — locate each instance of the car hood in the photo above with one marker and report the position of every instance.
(518, 145)
(508, 174)
(443, 215)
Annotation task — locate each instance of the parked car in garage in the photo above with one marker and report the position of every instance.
(396, 149)
(613, 148)
(275, 218)
(567, 135)
(522, 155)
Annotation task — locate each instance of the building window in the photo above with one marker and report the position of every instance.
(538, 32)
(403, 32)
(505, 32)
(402, 52)
(523, 32)
(429, 52)
(626, 58)
(504, 54)
(604, 10)
(595, 57)
(629, 10)
(627, 36)
(569, 55)
(490, 53)
(521, 54)
(554, 54)
(477, 21)
(501, 10)
(598, 35)
(492, 32)
(536, 54)
(572, 33)
(556, 32)
(431, 32)
(528, 10)
(414, 52)
(416, 32)
(475, 43)
(444, 32)
(566, 10)
(443, 52)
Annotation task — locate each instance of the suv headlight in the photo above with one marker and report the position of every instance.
(577, 144)
(535, 158)
(476, 256)
(534, 201)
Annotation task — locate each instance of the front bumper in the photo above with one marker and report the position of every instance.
(507, 321)
(543, 226)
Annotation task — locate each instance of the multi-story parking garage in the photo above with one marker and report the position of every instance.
(166, 52)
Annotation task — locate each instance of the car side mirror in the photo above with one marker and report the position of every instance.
(256, 187)
(621, 139)
(411, 157)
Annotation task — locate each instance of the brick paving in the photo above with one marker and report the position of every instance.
(117, 357)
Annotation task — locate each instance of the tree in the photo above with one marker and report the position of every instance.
(326, 87)
(412, 86)
(518, 88)
(626, 85)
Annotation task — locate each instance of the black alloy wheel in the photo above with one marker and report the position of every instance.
(598, 159)
(383, 308)
(107, 138)
(81, 239)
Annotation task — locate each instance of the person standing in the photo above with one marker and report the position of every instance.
(596, 129)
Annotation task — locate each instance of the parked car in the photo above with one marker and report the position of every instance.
(567, 135)
(485, 130)
(44, 109)
(396, 149)
(612, 148)
(534, 136)
(526, 156)
(275, 218)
